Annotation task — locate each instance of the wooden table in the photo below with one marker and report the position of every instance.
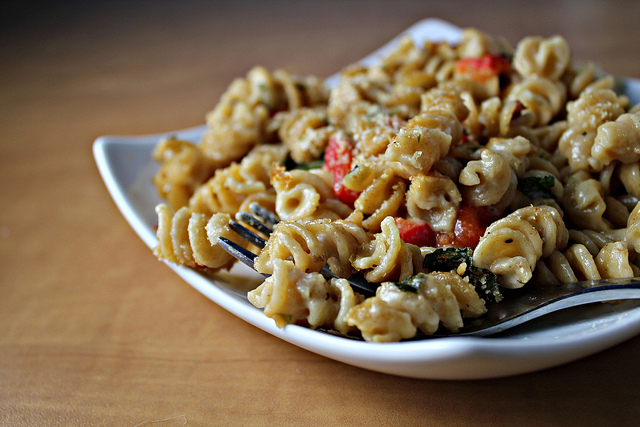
(95, 331)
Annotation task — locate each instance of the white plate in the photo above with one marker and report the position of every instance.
(126, 167)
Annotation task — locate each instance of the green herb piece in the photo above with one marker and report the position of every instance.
(408, 285)
(290, 164)
(486, 284)
(448, 259)
(535, 187)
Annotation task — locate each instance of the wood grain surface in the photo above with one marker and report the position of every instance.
(95, 331)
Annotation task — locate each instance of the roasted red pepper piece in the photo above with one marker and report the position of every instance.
(337, 160)
(483, 68)
(416, 233)
(471, 223)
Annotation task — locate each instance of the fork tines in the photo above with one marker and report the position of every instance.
(251, 221)
(247, 234)
(270, 219)
(241, 254)
(264, 214)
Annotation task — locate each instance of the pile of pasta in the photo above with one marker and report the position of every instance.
(517, 167)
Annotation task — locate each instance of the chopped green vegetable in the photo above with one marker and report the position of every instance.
(409, 284)
(448, 259)
(290, 164)
(535, 187)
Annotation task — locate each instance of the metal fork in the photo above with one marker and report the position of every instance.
(518, 307)
(264, 226)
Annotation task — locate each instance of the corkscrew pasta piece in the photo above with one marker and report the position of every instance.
(230, 186)
(542, 97)
(476, 43)
(237, 122)
(629, 174)
(618, 140)
(487, 180)
(373, 134)
(495, 117)
(416, 149)
(305, 194)
(191, 239)
(444, 110)
(384, 197)
(584, 116)
(583, 202)
(434, 199)
(386, 256)
(291, 296)
(240, 120)
(592, 255)
(585, 79)
(426, 138)
(183, 168)
(513, 150)
(512, 246)
(577, 263)
(382, 321)
(311, 244)
(613, 261)
(304, 131)
(617, 211)
(594, 241)
(594, 108)
(426, 302)
(540, 57)
(633, 229)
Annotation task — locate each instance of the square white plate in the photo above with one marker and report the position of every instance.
(126, 167)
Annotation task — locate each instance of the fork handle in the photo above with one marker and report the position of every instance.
(521, 307)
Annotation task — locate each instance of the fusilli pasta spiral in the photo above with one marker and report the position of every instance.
(394, 313)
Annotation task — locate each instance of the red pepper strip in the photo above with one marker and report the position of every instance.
(416, 233)
(337, 160)
(483, 68)
(471, 224)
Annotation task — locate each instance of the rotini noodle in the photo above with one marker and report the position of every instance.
(311, 244)
(291, 296)
(512, 246)
(387, 257)
(440, 298)
(190, 238)
(230, 186)
(183, 169)
(547, 58)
